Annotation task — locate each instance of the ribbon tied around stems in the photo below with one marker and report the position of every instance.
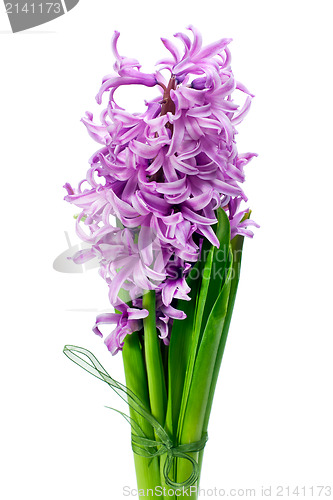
(141, 444)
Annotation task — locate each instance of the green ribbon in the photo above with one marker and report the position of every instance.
(141, 445)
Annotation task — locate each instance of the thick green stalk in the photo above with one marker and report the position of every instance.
(147, 473)
(154, 365)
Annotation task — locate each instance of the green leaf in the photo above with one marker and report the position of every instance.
(205, 281)
(195, 413)
(219, 264)
(179, 349)
(205, 362)
(195, 337)
(236, 247)
(179, 352)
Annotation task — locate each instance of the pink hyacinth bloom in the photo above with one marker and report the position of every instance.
(162, 173)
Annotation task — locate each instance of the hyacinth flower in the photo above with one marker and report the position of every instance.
(161, 209)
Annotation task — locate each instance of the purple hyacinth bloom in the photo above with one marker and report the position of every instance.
(162, 173)
(128, 321)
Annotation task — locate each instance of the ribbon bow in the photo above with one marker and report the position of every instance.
(142, 445)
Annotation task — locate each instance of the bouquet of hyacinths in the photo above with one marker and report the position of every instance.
(170, 177)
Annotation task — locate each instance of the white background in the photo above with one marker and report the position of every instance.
(272, 417)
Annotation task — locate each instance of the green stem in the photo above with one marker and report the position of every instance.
(147, 473)
(154, 365)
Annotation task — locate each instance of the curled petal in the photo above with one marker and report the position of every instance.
(214, 48)
(136, 77)
(199, 219)
(243, 112)
(172, 49)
